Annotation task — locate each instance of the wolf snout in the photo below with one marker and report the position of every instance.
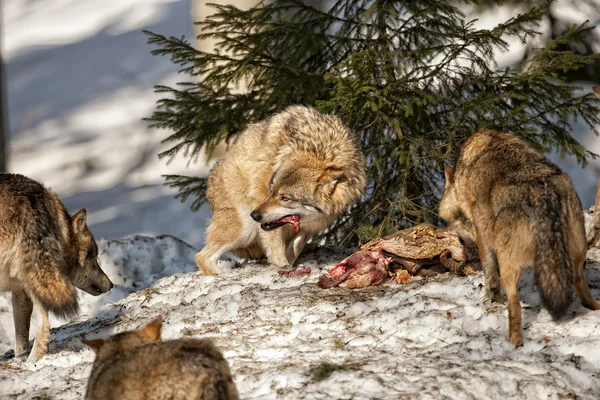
(105, 285)
(257, 216)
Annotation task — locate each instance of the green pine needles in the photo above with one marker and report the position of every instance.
(414, 79)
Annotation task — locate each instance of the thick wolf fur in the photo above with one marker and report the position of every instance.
(298, 162)
(44, 255)
(522, 211)
(136, 365)
(593, 233)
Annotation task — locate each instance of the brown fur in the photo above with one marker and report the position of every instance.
(593, 233)
(298, 162)
(44, 255)
(136, 365)
(522, 211)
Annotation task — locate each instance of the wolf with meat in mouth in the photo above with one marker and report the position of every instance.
(283, 180)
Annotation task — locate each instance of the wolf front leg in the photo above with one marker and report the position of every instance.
(274, 244)
(22, 309)
(224, 233)
(296, 246)
(207, 259)
(42, 334)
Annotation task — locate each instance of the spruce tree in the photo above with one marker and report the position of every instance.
(414, 79)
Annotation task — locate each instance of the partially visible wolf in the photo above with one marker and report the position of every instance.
(136, 365)
(282, 181)
(522, 211)
(44, 255)
(593, 233)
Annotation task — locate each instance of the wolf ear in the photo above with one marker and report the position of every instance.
(449, 174)
(79, 222)
(94, 344)
(596, 90)
(330, 178)
(152, 330)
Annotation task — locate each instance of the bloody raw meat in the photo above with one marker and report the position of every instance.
(363, 268)
(294, 220)
(422, 250)
(299, 271)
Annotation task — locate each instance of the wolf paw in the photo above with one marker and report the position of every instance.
(203, 266)
(516, 339)
(495, 296)
(21, 350)
(33, 357)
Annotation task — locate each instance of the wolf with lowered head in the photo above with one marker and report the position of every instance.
(521, 210)
(283, 180)
(44, 255)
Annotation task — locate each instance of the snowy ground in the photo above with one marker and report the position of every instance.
(285, 338)
(80, 79)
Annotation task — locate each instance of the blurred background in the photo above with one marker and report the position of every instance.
(79, 78)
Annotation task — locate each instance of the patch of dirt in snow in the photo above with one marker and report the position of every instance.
(287, 339)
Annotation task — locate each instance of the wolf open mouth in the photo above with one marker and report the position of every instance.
(288, 219)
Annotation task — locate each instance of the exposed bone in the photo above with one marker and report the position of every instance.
(421, 250)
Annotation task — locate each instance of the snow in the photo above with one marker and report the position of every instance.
(286, 338)
(80, 79)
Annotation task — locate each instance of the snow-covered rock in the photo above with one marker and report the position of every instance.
(287, 339)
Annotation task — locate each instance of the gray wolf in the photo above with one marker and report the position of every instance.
(136, 365)
(44, 255)
(521, 210)
(593, 233)
(282, 181)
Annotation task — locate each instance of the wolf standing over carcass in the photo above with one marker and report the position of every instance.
(522, 211)
(44, 255)
(593, 233)
(283, 180)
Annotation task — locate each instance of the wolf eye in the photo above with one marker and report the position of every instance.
(285, 198)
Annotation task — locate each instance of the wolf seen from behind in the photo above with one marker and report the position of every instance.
(521, 210)
(137, 365)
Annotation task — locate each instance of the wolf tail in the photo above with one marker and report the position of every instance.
(44, 280)
(553, 266)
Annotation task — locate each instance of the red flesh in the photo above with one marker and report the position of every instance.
(290, 219)
(363, 268)
(299, 271)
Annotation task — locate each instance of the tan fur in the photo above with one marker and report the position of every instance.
(593, 233)
(44, 255)
(136, 365)
(522, 211)
(299, 162)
